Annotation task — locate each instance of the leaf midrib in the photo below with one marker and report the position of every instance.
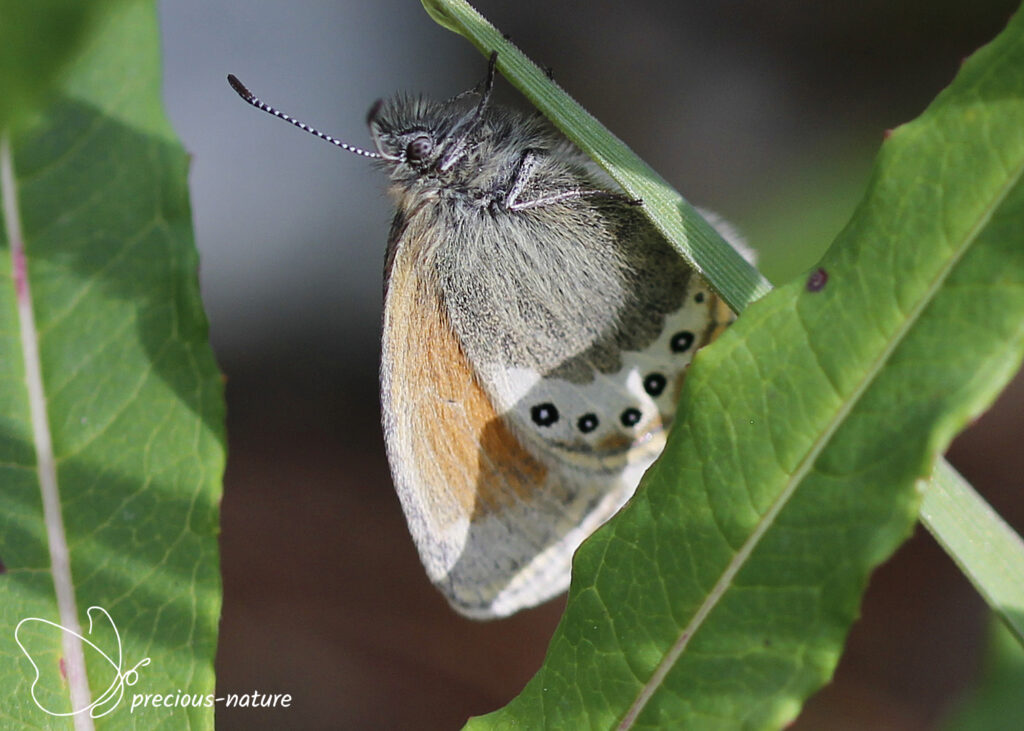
(46, 467)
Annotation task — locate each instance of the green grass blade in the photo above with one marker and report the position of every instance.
(985, 548)
(722, 595)
(737, 281)
(111, 408)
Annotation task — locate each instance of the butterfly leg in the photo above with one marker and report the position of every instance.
(528, 165)
(469, 124)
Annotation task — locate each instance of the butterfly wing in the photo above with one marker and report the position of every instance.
(497, 504)
(476, 500)
(619, 417)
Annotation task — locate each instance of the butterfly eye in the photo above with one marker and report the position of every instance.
(419, 148)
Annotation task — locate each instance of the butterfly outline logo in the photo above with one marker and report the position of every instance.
(116, 687)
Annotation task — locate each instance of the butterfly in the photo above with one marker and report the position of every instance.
(537, 330)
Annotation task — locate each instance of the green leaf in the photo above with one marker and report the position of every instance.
(722, 595)
(104, 360)
(737, 282)
(37, 40)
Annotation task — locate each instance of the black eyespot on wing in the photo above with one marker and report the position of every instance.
(654, 384)
(587, 423)
(630, 417)
(698, 298)
(681, 341)
(544, 414)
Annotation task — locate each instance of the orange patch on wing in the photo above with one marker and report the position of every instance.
(615, 442)
(462, 450)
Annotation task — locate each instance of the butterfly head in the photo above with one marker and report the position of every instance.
(415, 136)
(420, 139)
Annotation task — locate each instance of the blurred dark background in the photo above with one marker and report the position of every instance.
(767, 112)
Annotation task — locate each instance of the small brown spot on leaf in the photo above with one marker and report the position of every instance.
(816, 282)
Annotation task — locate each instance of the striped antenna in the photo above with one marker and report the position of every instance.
(251, 98)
